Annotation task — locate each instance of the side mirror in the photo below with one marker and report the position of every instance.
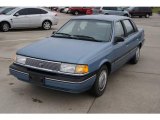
(118, 39)
(54, 32)
(16, 14)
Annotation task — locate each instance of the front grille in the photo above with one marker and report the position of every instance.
(42, 64)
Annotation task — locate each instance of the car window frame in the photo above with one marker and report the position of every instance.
(122, 27)
(134, 30)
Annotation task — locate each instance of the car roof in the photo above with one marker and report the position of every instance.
(102, 17)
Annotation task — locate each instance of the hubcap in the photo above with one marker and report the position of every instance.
(5, 27)
(46, 25)
(137, 54)
(76, 13)
(102, 80)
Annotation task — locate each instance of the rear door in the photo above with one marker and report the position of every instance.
(34, 16)
(131, 39)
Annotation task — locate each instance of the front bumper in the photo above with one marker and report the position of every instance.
(68, 83)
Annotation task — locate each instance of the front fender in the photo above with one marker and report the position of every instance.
(104, 61)
(7, 22)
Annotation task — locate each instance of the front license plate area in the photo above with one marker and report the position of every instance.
(36, 79)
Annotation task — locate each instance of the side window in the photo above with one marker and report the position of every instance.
(136, 9)
(42, 11)
(119, 30)
(109, 8)
(128, 26)
(34, 11)
(119, 8)
(23, 12)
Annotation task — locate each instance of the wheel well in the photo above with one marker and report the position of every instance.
(77, 11)
(108, 66)
(48, 21)
(125, 14)
(6, 22)
(140, 45)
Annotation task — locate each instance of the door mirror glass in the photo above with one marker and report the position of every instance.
(16, 14)
(118, 39)
(54, 32)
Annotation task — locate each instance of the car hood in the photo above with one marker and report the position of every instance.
(62, 50)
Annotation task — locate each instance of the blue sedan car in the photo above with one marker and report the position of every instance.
(81, 54)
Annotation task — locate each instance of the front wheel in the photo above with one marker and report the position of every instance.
(136, 57)
(4, 27)
(101, 81)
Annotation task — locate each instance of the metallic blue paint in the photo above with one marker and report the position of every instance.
(94, 54)
(76, 87)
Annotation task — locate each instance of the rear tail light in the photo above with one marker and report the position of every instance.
(89, 12)
(55, 14)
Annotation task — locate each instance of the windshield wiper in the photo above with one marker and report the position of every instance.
(84, 36)
(63, 34)
(89, 38)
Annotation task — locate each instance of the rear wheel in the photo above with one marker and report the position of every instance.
(136, 57)
(101, 81)
(46, 25)
(76, 13)
(4, 27)
(147, 16)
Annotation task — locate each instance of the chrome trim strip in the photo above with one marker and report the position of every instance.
(53, 71)
(124, 55)
(69, 81)
(18, 71)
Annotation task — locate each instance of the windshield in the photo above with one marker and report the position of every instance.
(1, 9)
(6, 10)
(93, 30)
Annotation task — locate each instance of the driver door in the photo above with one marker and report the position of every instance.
(20, 19)
(119, 49)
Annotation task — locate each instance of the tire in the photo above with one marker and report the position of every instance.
(136, 57)
(46, 25)
(4, 27)
(101, 81)
(140, 16)
(76, 12)
(147, 16)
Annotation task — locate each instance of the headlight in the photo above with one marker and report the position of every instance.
(68, 68)
(20, 59)
(74, 69)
